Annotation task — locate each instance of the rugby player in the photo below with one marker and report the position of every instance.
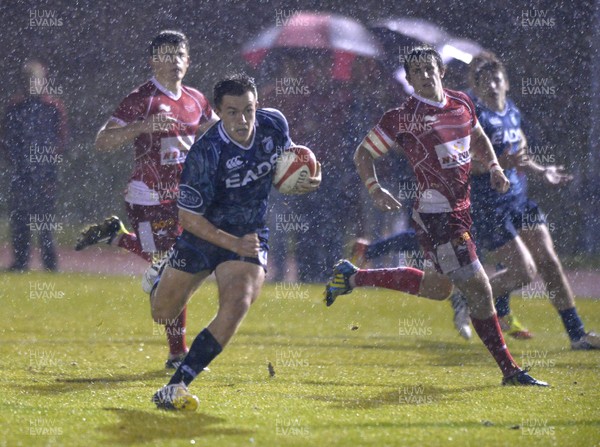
(511, 226)
(439, 151)
(162, 118)
(224, 190)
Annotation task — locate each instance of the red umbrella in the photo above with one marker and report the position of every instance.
(346, 37)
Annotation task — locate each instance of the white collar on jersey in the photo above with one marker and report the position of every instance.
(503, 112)
(165, 90)
(228, 139)
(430, 102)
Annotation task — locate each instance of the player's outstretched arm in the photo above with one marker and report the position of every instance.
(554, 175)
(381, 197)
(199, 226)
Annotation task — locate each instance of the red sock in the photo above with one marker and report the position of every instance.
(491, 336)
(403, 279)
(130, 242)
(176, 334)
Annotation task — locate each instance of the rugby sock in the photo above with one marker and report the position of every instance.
(130, 242)
(403, 279)
(405, 241)
(503, 305)
(490, 334)
(175, 330)
(204, 349)
(573, 323)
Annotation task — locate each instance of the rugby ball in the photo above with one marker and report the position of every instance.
(294, 165)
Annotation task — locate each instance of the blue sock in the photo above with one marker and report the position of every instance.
(573, 323)
(155, 285)
(503, 305)
(204, 349)
(405, 241)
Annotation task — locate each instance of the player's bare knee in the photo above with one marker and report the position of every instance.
(477, 291)
(550, 266)
(472, 279)
(162, 314)
(525, 274)
(158, 316)
(441, 293)
(162, 311)
(479, 296)
(435, 286)
(237, 307)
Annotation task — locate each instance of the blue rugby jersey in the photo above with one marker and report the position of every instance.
(229, 184)
(503, 130)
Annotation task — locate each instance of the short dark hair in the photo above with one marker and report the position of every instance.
(484, 63)
(168, 37)
(420, 54)
(235, 84)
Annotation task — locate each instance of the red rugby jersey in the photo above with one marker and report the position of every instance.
(159, 156)
(435, 137)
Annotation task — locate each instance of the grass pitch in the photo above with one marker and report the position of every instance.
(80, 359)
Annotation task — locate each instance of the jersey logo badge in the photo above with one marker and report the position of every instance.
(173, 150)
(430, 119)
(268, 144)
(511, 136)
(234, 163)
(189, 108)
(454, 153)
(189, 197)
(513, 119)
(164, 108)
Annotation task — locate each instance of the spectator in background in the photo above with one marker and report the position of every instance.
(329, 114)
(34, 132)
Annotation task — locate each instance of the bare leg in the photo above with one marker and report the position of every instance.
(539, 242)
(435, 286)
(519, 268)
(239, 286)
(478, 292)
(173, 292)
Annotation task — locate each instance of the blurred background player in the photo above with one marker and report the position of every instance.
(510, 226)
(34, 133)
(162, 118)
(222, 209)
(437, 130)
(319, 116)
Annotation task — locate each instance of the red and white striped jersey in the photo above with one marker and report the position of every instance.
(435, 137)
